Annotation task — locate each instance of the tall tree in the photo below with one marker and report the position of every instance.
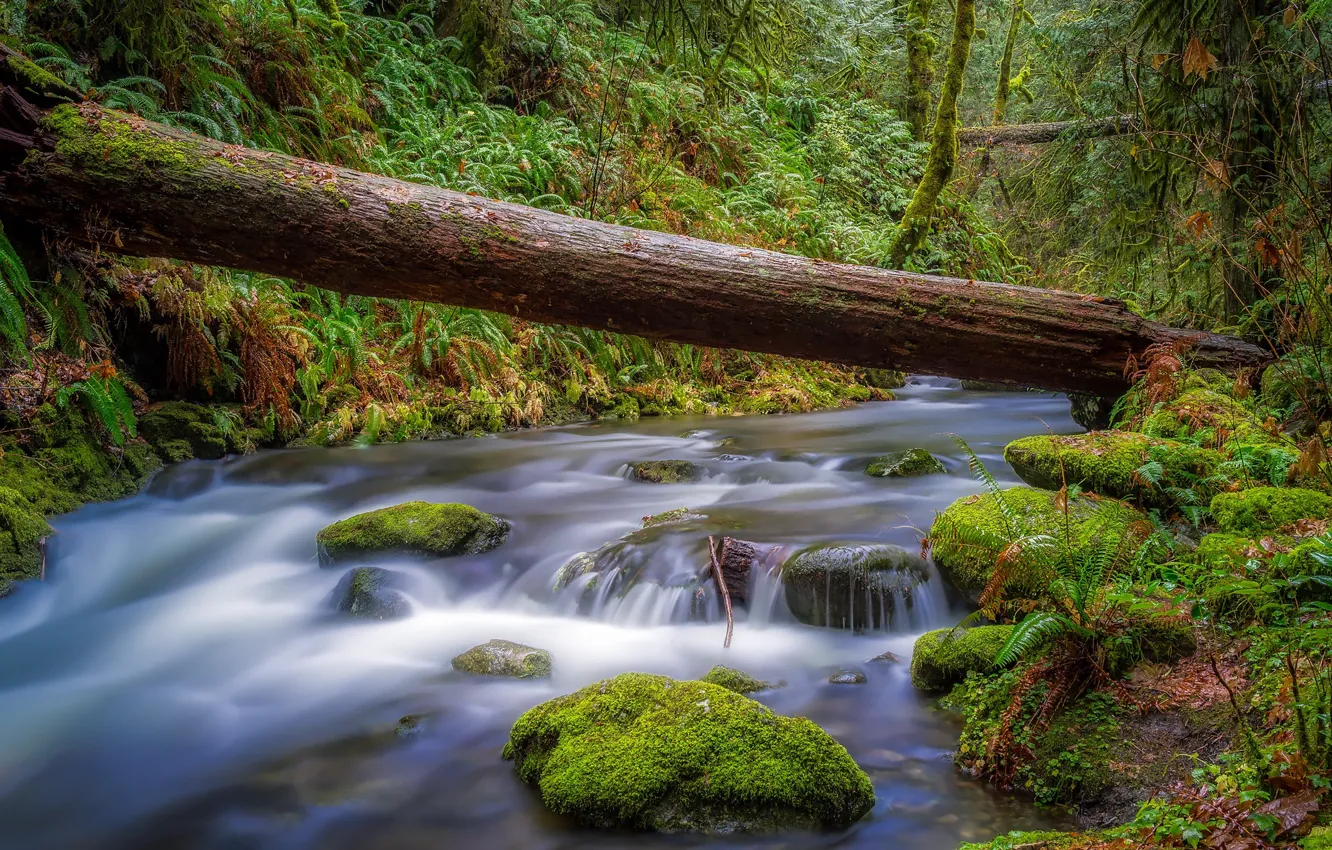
(943, 145)
(1006, 64)
(920, 66)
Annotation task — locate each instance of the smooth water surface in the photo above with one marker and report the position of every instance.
(181, 682)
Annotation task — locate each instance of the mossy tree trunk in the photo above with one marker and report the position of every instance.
(943, 145)
(123, 184)
(1006, 64)
(920, 66)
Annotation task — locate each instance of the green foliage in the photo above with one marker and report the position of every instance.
(107, 400)
(15, 292)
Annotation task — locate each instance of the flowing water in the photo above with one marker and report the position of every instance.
(181, 681)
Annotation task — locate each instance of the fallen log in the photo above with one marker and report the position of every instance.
(121, 183)
(1045, 132)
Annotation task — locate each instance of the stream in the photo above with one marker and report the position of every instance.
(181, 681)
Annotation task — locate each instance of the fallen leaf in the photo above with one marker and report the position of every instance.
(1198, 60)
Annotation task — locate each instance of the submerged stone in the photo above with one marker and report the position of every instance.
(968, 537)
(413, 528)
(851, 587)
(373, 593)
(666, 471)
(902, 464)
(648, 752)
(944, 657)
(735, 680)
(504, 658)
(847, 677)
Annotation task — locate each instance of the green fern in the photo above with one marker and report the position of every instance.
(107, 400)
(15, 292)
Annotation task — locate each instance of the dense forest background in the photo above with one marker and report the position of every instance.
(803, 126)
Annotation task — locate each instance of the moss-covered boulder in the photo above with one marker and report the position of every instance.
(1161, 639)
(666, 471)
(21, 531)
(425, 529)
(1206, 417)
(373, 593)
(181, 430)
(968, 566)
(1268, 508)
(735, 680)
(944, 657)
(1108, 463)
(504, 658)
(850, 587)
(647, 752)
(902, 464)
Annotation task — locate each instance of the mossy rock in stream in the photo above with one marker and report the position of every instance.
(904, 464)
(425, 529)
(672, 517)
(735, 680)
(504, 658)
(647, 752)
(1107, 462)
(944, 657)
(373, 593)
(1264, 509)
(21, 531)
(666, 471)
(967, 537)
(851, 587)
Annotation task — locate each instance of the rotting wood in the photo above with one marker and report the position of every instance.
(124, 184)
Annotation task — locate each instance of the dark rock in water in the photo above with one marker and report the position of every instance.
(181, 430)
(995, 387)
(373, 593)
(1090, 411)
(413, 528)
(886, 658)
(847, 677)
(884, 379)
(672, 517)
(736, 558)
(902, 464)
(504, 658)
(647, 752)
(665, 471)
(735, 680)
(408, 727)
(851, 587)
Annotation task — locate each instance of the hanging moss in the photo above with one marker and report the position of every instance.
(943, 147)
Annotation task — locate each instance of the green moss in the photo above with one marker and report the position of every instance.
(1319, 838)
(647, 752)
(182, 430)
(969, 567)
(850, 587)
(671, 517)
(666, 471)
(372, 593)
(413, 528)
(906, 463)
(1159, 639)
(21, 531)
(1107, 462)
(1016, 838)
(104, 142)
(504, 658)
(1207, 417)
(1268, 508)
(734, 680)
(943, 658)
(37, 79)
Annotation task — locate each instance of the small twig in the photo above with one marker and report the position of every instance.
(721, 585)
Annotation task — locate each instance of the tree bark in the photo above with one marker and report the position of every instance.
(942, 160)
(1043, 133)
(123, 184)
(920, 66)
(1006, 64)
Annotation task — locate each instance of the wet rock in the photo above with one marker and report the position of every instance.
(944, 657)
(672, 517)
(373, 593)
(736, 681)
(647, 752)
(968, 564)
(847, 677)
(408, 726)
(665, 471)
(504, 658)
(886, 658)
(911, 462)
(736, 559)
(413, 528)
(180, 430)
(850, 587)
